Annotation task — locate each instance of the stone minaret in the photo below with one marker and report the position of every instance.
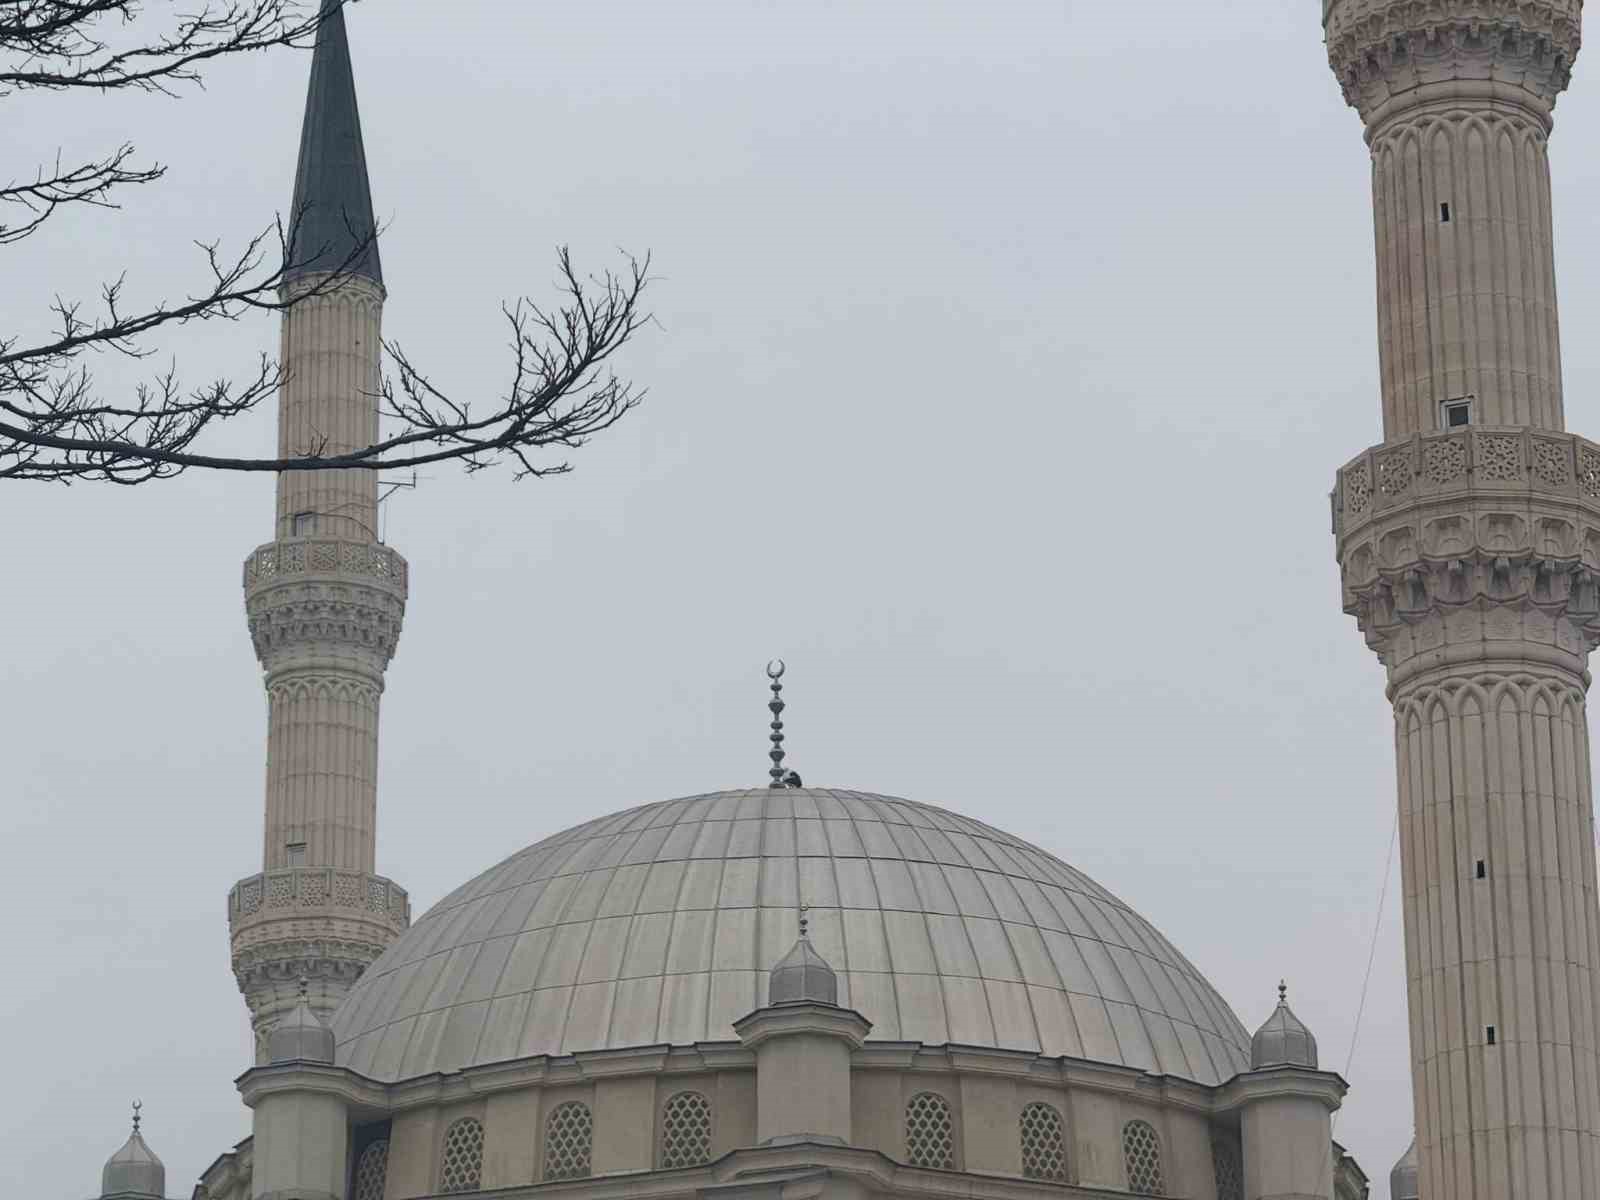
(324, 598)
(1469, 548)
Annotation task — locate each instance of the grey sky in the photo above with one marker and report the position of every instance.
(1006, 353)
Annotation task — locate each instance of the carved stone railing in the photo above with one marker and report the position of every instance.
(309, 599)
(1507, 461)
(295, 889)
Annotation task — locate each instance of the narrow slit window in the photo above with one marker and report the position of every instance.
(1456, 413)
(295, 852)
(1489, 1032)
(1483, 871)
(1444, 213)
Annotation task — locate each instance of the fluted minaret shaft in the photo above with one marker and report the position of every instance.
(323, 690)
(324, 598)
(1457, 97)
(1469, 547)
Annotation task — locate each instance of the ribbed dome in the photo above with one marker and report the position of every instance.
(1284, 1040)
(134, 1171)
(660, 925)
(1403, 1179)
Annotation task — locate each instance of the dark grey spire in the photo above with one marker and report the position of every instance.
(332, 211)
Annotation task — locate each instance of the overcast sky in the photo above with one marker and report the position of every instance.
(1005, 355)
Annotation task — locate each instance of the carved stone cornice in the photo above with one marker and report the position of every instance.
(1450, 544)
(317, 894)
(1381, 49)
(312, 601)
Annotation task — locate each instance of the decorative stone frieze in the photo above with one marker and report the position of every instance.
(1381, 49)
(309, 599)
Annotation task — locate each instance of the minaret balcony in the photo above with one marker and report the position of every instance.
(318, 908)
(315, 600)
(1472, 536)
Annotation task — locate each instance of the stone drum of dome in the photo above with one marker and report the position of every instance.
(658, 925)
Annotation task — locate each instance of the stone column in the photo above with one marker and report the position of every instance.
(301, 1132)
(1286, 1131)
(1469, 549)
(325, 600)
(803, 1055)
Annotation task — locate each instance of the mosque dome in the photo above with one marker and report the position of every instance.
(1403, 1179)
(301, 1036)
(660, 924)
(1284, 1040)
(803, 976)
(133, 1171)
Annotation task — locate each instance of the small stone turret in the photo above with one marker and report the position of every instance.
(803, 1043)
(1283, 1041)
(134, 1172)
(301, 1036)
(1286, 1106)
(1403, 1180)
(803, 976)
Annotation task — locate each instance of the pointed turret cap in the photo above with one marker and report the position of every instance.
(301, 1036)
(1283, 1041)
(803, 976)
(133, 1171)
(1403, 1179)
(332, 212)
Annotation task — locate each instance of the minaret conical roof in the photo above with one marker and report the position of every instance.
(332, 211)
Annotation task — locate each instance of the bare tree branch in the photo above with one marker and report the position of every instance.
(56, 425)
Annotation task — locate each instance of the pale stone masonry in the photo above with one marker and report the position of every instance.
(324, 598)
(1469, 545)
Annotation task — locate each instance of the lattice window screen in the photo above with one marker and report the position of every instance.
(371, 1169)
(463, 1156)
(1228, 1163)
(568, 1141)
(686, 1130)
(1044, 1154)
(930, 1133)
(1141, 1150)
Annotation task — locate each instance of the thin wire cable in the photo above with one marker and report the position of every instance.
(1372, 953)
(1372, 950)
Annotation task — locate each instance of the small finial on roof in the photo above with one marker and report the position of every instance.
(775, 670)
(305, 989)
(1283, 991)
(804, 909)
(137, 1105)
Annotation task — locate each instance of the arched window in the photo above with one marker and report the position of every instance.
(1044, 1152)
(930, 1133)
(1228, 1163)
(462, 1166)
(568, 1141)
(685, 1130)
(1141, 1151)
(371, 1169)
